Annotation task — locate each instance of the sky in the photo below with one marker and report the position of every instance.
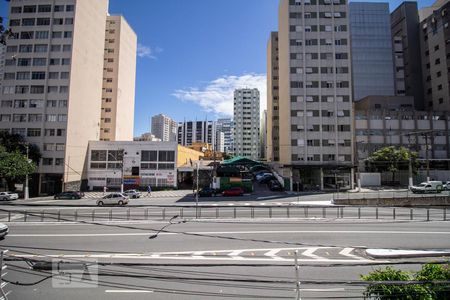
(192, 54)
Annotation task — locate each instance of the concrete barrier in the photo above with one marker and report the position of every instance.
(401, 201)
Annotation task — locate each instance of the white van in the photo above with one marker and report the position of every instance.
(428, 187)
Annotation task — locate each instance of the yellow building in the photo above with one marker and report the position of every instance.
(187, 155)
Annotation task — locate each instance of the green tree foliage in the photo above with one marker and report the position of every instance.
(14, 166)
(16, 142)
(392, 159)
(429, 290)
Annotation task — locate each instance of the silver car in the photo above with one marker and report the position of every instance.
(3, 230)
(113, 199)
(133, 194)
(8, 196)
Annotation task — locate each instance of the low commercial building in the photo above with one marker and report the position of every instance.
(136, 164)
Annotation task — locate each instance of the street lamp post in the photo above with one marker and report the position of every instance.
(196, 194)
(26, 192)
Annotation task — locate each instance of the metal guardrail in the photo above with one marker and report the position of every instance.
(269, 212)
(386, 195)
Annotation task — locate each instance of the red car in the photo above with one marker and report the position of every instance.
(236, 191)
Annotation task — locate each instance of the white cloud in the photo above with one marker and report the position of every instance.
(149, 52)
(217, 95)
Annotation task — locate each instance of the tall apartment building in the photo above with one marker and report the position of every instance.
(273, 125)
(119, 76)
(315, 96)
(226, 126)
(407, 57)
(246, 123)
(2, 62)
(371, 49)
(435, 52)
(164, 128)
(52, 91)
(263, 136)
(197, 131)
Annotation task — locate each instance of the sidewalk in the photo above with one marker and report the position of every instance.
(155, 194)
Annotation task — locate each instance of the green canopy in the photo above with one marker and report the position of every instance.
(241, 161)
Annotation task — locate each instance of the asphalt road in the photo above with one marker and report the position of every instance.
(208, 259)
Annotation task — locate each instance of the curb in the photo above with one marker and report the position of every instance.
(394, 253)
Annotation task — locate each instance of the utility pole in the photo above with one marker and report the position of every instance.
(410, 175)
(426, 156)
(26, 192)
(196, 194)
(121, 171)
(297, 277)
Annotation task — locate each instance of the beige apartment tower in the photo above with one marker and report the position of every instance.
(315, 98)
(119, 75)
(273, 126)
(52, 90)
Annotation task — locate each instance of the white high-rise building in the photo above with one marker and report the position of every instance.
(246, 123)
(53, 85)
(197, 131)
(164, 128)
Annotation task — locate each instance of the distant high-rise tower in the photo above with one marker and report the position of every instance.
(246, 123)
(406, 47)
(197, 131)
(164, 128)
(371, 48)
(226, 126)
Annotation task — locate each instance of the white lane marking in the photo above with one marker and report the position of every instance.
(235, 254)
(127, 291)
(198, 254)
(230, 204)
(323, 290)
(347, 252)
(310, 253)
(48, 201)
(230, 232)
(273, 254)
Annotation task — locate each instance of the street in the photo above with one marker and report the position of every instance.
(192, 259)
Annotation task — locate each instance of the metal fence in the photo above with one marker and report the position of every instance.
(399, 194)
(202, 212)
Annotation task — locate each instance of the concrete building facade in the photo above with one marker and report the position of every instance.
(197, 131)
(52, 91)
(371, 47)
(407, 56)
(119, 77)
(164, 128)
(273, 126)
(435, 53)
(246, 123)
(315, 96)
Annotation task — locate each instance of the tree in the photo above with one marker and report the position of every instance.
(394, 291)
(14, 166)
(16, 142)
(428, 288)
(392, 159)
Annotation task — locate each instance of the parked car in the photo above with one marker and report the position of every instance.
(266, 178)
(132, 194)
(428, 187)
(206, 192)
(261, 175)
(113, 199)
(4, 230)
(69, 195)
(446, 185)
(235, 191)
(8, 196)
(274, 185)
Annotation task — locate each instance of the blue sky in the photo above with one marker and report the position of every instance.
(195, 52)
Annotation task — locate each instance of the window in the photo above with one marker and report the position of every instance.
(68, 21)
(26, 48)
(63, 89)
(44, 8)
(55, 48)
(23, 62)
(11, 49)
(62, 103)
(55, 61)
(67, 48)
(64, 75)
(107, 120)
(69, 7)
(166, 167)
(8, 89)
(67, 34)
(5, 118)
(40, 48)
(60, 132)
(34, 132)
(56, 34)
(60, 147)
(62, 118)
(38, 75)
(19, 118)
(149, 166)
(51, 103)
(149, 155)
(65, 61)
(52, 89)
(47, 161)
(36, 103)
(9, 76)
(7, 103)
(59, 161)
(39, 61)
(51, 118)
(22, 89)
(23, 75)
(59, 8)
(15, 22)
(43, 21)
(53, 75)
(41, 35)
(58, 21)
(26, 35)
(20, 103)
(166, 156)
(34, 118)
(28, 22)
(16, 9)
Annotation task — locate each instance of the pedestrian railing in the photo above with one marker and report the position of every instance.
(223, 212)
